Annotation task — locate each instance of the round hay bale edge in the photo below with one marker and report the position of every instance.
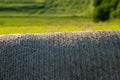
(93, 55)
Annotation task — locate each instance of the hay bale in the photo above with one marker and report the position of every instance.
(61, 56)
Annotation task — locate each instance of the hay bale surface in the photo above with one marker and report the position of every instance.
(60, 56)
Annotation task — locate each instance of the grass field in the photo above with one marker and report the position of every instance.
(46, 6)
(53, 24)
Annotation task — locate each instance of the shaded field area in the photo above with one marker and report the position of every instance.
(93, 55)
(41, 24)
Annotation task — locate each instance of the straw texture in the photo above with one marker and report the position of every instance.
(91, 55)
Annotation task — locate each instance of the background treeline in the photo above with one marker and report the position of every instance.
(106, 9)
(101, 10)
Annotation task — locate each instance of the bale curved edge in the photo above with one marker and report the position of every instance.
(91, 55)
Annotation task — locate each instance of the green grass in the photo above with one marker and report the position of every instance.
(42, 24)
(38, 7)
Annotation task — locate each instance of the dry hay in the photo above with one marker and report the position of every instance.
(61, 56)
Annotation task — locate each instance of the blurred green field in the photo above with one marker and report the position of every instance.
(46, 24)
(45, 7)
(38, 16)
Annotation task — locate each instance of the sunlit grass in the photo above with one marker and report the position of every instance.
(44, 25)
